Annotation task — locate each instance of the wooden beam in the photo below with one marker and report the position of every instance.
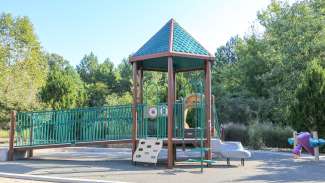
(192, 55)
(175, 86)
(213, 116)
(134, 107)
(79, 144)
(208, 107)
(140, 86)
(30, 152)
(12, 136)
(150, 56)
(171, 54)
(171, 90)
(176, 141)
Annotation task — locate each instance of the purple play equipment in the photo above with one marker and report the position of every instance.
(303, 141)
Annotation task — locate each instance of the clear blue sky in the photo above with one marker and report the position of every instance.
(118, 28)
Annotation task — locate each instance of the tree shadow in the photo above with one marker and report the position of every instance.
(279, 167)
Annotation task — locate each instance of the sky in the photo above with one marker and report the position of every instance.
(117, 28)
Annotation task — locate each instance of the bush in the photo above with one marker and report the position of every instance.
(269, 135)
(255, 136)
(236, 132)
(258, 135)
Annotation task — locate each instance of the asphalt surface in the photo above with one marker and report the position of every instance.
(110, 165)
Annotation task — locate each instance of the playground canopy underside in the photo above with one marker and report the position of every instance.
(95, 124)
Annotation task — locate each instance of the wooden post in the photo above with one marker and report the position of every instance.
(171, 90)
(30, 152)
(140, 86)
(12, 136)
(316, 149)
(175, 97)
(208, 108)
(134, 107)
(213, 114)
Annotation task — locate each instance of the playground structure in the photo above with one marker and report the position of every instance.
(170, 50)
(310, 143)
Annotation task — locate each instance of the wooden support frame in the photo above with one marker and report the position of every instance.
(213, 116)
(171, 99)
(207, 92)
(12, 136)
(134, 107)
(140, 79)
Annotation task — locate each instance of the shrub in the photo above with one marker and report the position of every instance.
(258, 135)
(269, 135)
(255, 136)
(236, 132)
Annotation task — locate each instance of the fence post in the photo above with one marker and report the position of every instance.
(295, 142)
(30, 152)
(12, 136)
(316, 149)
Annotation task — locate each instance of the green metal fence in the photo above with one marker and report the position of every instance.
(73, 126)
(99, 124)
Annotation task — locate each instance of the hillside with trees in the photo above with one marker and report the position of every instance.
(275, 76)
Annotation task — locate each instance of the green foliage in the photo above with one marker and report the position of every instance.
(115, 99)
(123, 77)
(269, 135)
(155, 87)
(22, 66)
(236, 132)
(96, 94)
(256, 77)
(64, 88)
(309, 109)
(100, 79)
(258, 135)
(88, 67)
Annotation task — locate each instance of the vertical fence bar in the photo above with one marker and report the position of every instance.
(12, 136)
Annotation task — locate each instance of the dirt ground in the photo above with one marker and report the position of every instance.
(113, 164)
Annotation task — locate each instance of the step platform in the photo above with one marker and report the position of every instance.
(148, 150)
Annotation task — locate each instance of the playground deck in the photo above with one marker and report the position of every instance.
(176, 141)
(95, 126)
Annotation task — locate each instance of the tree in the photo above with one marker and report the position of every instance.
(123, 77)
(100, 79)
(105, 74)
(227, 54)
(88, 67)
(96, 94)
(114, 99)
(22, 66)
(308, 113)
(64, 88)
(262, 80)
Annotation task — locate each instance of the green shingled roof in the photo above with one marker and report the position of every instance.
(157, 44)
(185, 43)
(172, 40)
(182, 42)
